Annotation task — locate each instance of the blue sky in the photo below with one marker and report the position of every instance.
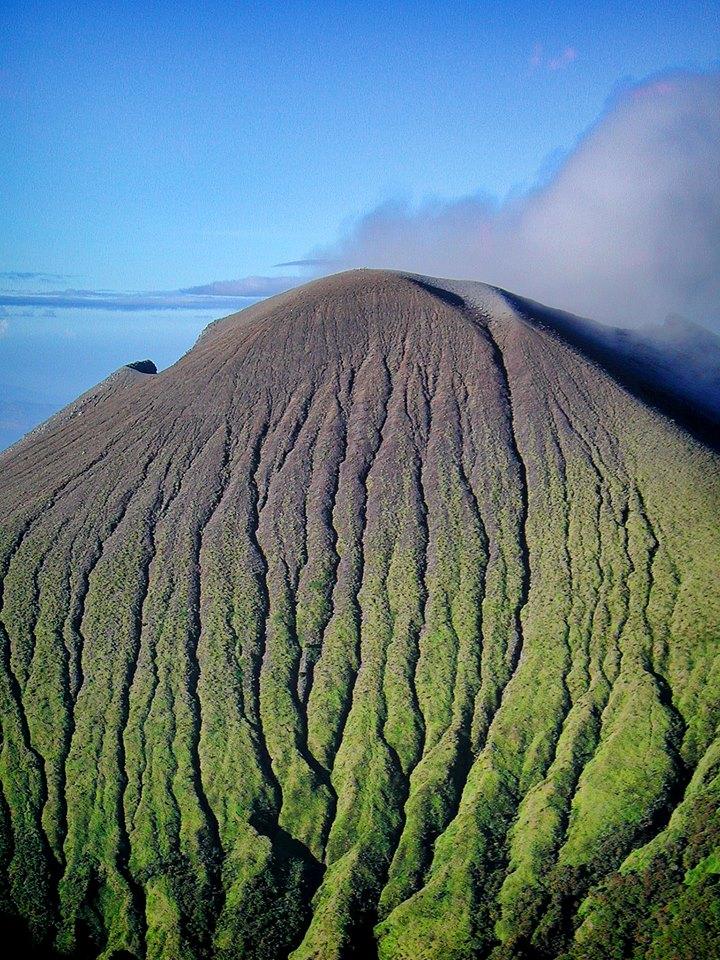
(161, 146)
(156, 145)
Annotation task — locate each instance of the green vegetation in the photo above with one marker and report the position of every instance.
(379, 626)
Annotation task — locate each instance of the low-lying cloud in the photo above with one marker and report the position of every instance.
(309, 263)
(34, 276)
(219, 295)
(253, 286)
(627, 231)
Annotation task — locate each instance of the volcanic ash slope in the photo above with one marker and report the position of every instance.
(384, 623)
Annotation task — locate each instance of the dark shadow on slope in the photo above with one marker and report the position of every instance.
(445, 295)
(14, 931)
(277, 906)
(364, 946)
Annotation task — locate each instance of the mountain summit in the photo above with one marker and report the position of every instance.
(384, 623)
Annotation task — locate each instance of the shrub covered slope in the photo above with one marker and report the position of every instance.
(385, 623)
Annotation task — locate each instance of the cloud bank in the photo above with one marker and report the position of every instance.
(254, 286)
(20, 276)
(218, 295)
(627, 231)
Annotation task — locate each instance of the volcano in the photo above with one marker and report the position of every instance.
(383, 624)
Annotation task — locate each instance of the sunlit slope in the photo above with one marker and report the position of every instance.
(383, 623)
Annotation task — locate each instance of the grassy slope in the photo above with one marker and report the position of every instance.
(377, 624)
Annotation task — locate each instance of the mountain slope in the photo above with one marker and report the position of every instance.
(385, 620)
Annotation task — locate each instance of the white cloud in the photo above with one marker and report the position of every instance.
(253, 286)
(628, 229)
(219, 294)
(540, 61)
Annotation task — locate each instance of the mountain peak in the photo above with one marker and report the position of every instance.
(384, 621)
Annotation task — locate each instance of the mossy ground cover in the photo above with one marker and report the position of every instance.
(381, 625)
